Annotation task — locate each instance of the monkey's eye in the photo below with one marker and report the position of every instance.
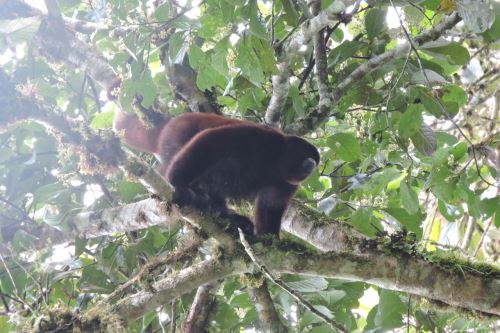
(307, 166)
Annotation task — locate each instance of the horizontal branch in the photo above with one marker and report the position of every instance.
(131, 217)
(455, 287)
(399, 272)
(315, 228)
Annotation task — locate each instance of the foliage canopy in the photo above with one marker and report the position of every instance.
(401, 98)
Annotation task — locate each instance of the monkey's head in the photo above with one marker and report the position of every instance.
(299, 160)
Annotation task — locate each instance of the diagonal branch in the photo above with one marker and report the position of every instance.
(164, 290)
(316, 117)
(203, 304)
(104, 153)
(269, 318)
(297, 296)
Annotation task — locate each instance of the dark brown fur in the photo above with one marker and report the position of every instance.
(209, 159)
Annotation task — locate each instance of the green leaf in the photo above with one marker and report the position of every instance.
(459, 150)
(455, 52)
(344, 51)
(297, 101)
(256, 27)
(496, 221)
(425, 140)
(365, 222)
(411, 121)
(241, 300)
(23, 241)
(450, 212)
(412, 222)
(177, 47)
(95, 280)
(494, 32)
(146, 88)
(409, 198)
(162, 12)
(477, 15)
(455, 94)
(80, 245)
(390, 310)
(380, 180)
(249, 64)
(208, 77)
(427, 77)
(210, 24)
(430, 103)
(310, 285)
(290, 14)
(375, 22)
(346, 146)
(426, 320)
(225, 316)
(48, 193)
(129, 191)
(20, 29)
(103, 120)
(489, 206)
(265, 53)
(197, 58)
(332, 296)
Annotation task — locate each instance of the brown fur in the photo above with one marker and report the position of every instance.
(209, 158)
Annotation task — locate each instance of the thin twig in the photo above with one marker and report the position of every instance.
(23, 213)
(94, 93)
(14, 283)
(485, 232)
(441, 106)
(4, 301)
(173, 315)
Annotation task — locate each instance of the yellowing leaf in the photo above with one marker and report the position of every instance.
(447, 5)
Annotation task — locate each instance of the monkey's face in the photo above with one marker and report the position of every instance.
(299, 160)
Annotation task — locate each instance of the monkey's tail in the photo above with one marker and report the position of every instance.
(137, 134)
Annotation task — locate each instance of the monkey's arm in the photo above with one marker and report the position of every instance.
(270, 206)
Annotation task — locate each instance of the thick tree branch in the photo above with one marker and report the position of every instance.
(294, 47)
(60, 44)
(134, 306)
(451, 285)
(270, 321)
(145, 214)
(203, 304)
(182, 78)
(315, 228)
(461, 286)
(296, 295)
(321, 64)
